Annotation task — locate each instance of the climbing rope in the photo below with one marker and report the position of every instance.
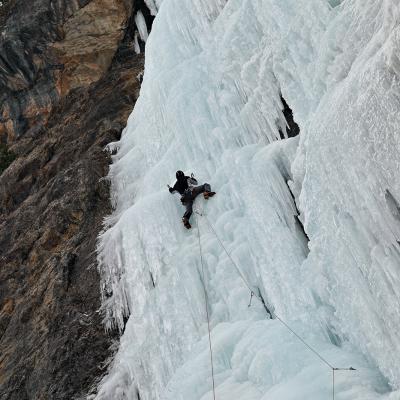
(252, 291)
(242, 276)
(207, 306)
(272, 314)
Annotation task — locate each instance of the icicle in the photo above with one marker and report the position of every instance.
(141, 25)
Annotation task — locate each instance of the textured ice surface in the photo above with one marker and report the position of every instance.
(153, 6)
(210, 104)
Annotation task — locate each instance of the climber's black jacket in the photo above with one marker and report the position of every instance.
(182, 184)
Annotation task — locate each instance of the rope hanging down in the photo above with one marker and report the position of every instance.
(252, 291)
(207, 313)
(272, 314)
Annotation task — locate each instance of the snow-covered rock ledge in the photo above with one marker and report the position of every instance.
(210, 104)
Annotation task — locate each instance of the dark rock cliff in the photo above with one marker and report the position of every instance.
(68, 81)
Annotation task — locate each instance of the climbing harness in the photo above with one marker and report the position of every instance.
(259, 296)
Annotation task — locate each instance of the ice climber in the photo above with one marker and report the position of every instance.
(185, 186)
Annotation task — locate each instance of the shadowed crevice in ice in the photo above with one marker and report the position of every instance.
(292, 129)
(335, 3)
(393, 205)
(299, 222)
(153, 283)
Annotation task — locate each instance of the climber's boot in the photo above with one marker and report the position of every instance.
(207, 195)
(186, 223)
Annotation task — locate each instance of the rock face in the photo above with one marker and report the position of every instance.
(68, 81)
(49, 47)
(89, 39)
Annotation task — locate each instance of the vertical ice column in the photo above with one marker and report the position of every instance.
(141, 25)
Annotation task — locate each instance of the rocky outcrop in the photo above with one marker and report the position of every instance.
(49, 47)
(68, 81)
(89, 40)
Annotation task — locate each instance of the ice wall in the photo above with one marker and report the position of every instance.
(210, 104)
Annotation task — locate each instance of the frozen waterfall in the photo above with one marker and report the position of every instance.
(211, 104)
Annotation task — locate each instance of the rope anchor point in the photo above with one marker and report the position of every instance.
(251, 298)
